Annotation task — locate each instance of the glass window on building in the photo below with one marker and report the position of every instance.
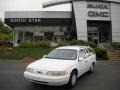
(99, 31)
(20, 37)
(29, 36)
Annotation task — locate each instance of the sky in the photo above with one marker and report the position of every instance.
(29, 5)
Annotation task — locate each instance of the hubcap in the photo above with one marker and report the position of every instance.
(73, 79)
(92, 68)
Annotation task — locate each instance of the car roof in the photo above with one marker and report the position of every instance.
(73, 47)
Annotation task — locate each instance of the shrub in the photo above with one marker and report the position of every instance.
(91, 44)
(81, 42)
(116, 45)
(63, 43)
(1, 37)
(101, 53)
(25, 44)
(6, 36)
(37, 44)
(77, 42)
(42, 44)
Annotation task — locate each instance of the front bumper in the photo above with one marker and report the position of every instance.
(48, 80)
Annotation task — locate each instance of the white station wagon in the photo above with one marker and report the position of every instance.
(62, 66)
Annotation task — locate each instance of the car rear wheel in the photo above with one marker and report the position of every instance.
(72, 80)
(92, 68)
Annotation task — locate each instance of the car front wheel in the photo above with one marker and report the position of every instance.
(73, 79)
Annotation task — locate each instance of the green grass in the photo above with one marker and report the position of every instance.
(20, 53)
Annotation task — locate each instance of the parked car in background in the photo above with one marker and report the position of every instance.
(62, 66)
(6, 43)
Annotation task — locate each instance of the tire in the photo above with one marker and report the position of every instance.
(72, 80)
(91, 68)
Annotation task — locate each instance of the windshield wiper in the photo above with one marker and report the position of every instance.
(48, 57)
(57, 58)
(53, 58)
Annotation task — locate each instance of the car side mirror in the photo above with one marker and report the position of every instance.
(80, 58)
(44, 56)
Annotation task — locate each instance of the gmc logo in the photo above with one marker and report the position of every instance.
(98, 14)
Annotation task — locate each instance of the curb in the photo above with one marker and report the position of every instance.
(108, 61)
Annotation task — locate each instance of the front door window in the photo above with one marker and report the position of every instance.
(48, 35)
(29, 36)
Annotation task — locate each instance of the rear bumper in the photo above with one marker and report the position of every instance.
(48, 80)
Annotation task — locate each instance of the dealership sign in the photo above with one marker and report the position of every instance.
(98, 14)
(98, 10)
(25, 20)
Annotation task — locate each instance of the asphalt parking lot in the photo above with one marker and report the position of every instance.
(105, 77)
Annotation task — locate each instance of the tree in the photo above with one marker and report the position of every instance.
(6, 33)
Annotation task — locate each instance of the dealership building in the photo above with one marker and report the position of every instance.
(90, 20)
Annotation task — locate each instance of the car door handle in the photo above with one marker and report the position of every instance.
(86, 61)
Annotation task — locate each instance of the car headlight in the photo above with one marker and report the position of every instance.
(56, 73)
(29, 70)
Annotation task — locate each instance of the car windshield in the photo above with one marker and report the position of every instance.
(65, 54)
